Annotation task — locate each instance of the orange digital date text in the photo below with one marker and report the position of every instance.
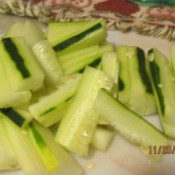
(162, 149)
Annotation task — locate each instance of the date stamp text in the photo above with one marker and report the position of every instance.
(162, 149)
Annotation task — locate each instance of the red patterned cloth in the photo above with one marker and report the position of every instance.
(122, 15)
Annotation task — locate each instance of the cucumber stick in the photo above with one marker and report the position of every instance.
(26, 154)
(43, 150)
(14, 99)
(66, 164)
(48, 61)
(20, 66)
(49, 108)
(8, 159)
(76, 61)
(9, 98)
(66, 37)
(33, 33)
(29, 30)
(76, 128)
(129, 124)
(135, 89)
(37, 152)
(110, 65)
(163, 82)
(16, 30)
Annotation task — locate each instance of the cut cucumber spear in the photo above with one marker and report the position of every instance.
(51, 152)
(32, 33)
(76, 61)
(26, 154)
(13, 99)
(16, 30)
(129, 124)
(29, 30)
(110, 65)
(8, 160)
(77, 127)
(37, 152)
(50, 109)
(48, 61)
(9, 98)
(135, 89)
(69, 36)
(163, 83)
(20, 66)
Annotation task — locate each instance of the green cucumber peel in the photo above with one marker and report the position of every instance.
(135, 89)
(16, 57)
(162, 78)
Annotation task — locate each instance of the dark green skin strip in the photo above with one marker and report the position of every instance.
(16, 57)
(142, 70)
(121, 84)
(95, 63)
(37, 137)
(67, 43)
(51, 109)
(13, 116)
(154, 69)
(69, 98)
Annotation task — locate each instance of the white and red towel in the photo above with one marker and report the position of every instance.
(122, 15)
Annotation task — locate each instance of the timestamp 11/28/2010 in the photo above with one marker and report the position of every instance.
(161, 149)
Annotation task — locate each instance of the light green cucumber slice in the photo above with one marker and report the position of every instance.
(77, 127)
(33, 33)
(20, 67)
(129, 124)
(29, 30)
(135, 89)
(66, 37)
(48, 61)
(16, 30)
(110, 65)
(49, 109)
(13, 99)
(8, 159)
(26, 154)
(66, 163)
(48, 158)
(163, 82)
(8, 98)
(89, 56)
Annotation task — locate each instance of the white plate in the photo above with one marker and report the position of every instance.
(122, 158)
